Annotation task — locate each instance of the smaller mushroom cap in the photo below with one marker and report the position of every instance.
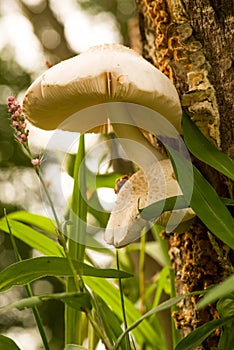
(140, 190)
(106, 73)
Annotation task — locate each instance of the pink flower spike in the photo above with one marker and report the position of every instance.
(22, 126)
(15, 123)
(10, 99)
(23, 137)
(36, 162)
(17, 113)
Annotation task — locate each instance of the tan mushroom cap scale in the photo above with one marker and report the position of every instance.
(104, 73)
(144, 188)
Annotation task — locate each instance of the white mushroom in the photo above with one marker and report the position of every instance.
(140, 190)
(105, 73)
(75, 95)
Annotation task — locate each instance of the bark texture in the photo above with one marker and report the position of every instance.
(192, 42)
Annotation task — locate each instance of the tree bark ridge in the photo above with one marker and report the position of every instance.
(191, 41)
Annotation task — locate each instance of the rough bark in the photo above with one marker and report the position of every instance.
(192, 42)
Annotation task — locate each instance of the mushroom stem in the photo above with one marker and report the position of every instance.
(136, 146)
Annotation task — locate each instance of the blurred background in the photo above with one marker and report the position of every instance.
(35, 34)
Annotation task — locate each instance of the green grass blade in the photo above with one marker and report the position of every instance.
(110, 321)
(32, 237)
(95, 208)
(211, 210)
(145, 333)
(227, 201)
(74, 347)
(204, 150)
(221, 290)
(153, 211)
(195, 338)
(77, 300)
(7, 343)
(76, 241)
(78, 212)
(94, 180)
(26, 271)
(204, 200)
(41, 222)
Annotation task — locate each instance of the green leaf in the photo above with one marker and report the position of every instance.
(221, 290)
(204, 150)
(195, 338)
(154, 210)
(163, 284)
(26, 271)
(77, 300)
(74, 347)
(163, 306)
(32, 237)
(41, 222)
(204, 200)
(78, 212)
(76, 238)
(80, 302)
(225, 307)
(145, 333)
(227, 201)
(110, 321)
(7, 343)
(95, 208)
(94, 180)
(211, 210)
(153, 249)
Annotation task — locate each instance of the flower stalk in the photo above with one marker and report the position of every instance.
(74, 246)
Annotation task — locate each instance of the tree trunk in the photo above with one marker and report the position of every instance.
(191, 41)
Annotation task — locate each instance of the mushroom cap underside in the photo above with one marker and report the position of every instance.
(106, 73)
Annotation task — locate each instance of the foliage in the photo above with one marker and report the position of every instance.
(104, 303)
(95, 296)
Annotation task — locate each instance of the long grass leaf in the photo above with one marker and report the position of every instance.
(204, 150)
(195, 338)
(32, 237)
(7, 343)
(41, 222)
(79, 301)
(203, 199)
(221, 290)
(26, 271)
(145, 333)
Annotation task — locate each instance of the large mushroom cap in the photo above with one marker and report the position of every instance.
(106, 73)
